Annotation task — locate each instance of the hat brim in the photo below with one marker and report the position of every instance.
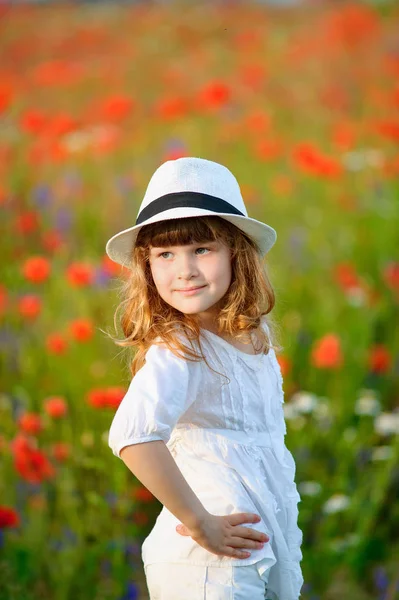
(119, 247)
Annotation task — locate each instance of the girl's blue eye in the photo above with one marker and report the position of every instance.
(207, 249)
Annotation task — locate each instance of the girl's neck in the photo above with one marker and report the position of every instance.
(246, 347)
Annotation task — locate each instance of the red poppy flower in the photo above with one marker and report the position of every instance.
(326, 353)
(81, 329)
(380, 359)
(214, 95)
(80, 274)
(310, 160)
(51, 240)
(285, 364)
(109, 397)
(56, 343)
(115, 396)
(257, 122)
(105, 139)
(389, 129)
(346, 276)
(46, 150)
(27, 222)
(21, 443)
(30, 306)
(116, 108)
(343, 136)
(33, 466)
(3, 193)
(61, 451)
(8, 517)
(30, 423)
(57, 73)
(98, 398)
(61, 124)
(36, 269)
(110, 267)
(351, 24)
(6, 97)
(56, 407)
(268, 149)
(253, 76)
(3, 299)
(172, 107)
(169, 155)
(142, 494)
(33, 121)
(391, 275)
(391, 167)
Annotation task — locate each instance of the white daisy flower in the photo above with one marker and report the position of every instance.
(387, 423)
(309, 488)
(367, 403)
(336, 503)
(304, 402)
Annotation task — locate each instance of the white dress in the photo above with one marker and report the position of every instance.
(228, 441)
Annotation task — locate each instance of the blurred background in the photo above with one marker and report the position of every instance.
(301, 101)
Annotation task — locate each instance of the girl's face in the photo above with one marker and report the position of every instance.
(193, 278)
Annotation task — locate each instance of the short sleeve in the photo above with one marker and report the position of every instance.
(158, 395)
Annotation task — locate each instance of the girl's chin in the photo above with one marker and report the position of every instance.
(191, 310)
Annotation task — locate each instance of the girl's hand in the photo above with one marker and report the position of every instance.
(224, 535)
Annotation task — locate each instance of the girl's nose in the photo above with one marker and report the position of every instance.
(187, 268)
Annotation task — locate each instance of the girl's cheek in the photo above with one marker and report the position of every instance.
(162, 276)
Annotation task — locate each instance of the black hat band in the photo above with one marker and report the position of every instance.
(186, 200)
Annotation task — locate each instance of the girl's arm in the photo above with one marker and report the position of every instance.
(153, 465)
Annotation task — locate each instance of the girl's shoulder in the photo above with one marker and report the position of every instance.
(171, 353)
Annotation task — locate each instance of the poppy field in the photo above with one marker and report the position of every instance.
(302, 105)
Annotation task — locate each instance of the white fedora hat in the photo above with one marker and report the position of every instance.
(190, 187)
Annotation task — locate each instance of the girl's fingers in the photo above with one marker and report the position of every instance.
(239, 542)
(251, 534)
(239, 518)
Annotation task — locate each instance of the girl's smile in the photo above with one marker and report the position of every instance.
(192, 278)
(192, 290)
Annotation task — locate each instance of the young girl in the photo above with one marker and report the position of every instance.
(202, 423)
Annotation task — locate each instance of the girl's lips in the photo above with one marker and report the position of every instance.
(191, 291)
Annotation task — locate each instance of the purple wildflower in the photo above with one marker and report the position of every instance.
(63, 219)
(132, 592)
(101, 277)
(42, 196)
(380, 578)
